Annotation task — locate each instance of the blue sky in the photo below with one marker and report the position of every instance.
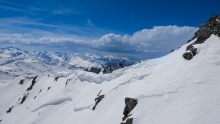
(139, 27)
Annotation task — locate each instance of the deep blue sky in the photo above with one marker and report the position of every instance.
(103, 25)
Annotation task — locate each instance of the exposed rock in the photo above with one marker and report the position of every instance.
(32, 84)
(200, 40)
(206, 33)
(21, 82)
(189, 47)
(121, 65)
(193, 51)
(172, 50)
(56, 78)
(128, 121)
(130, 103)
(188, 55)
(98, 99)
(24, 98)
(106, 70)
(212, 26)
(9, 110)
(48, 88)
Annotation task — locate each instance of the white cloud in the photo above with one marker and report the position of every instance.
(159, 39)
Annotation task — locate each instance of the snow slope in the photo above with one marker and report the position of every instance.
(169, 90)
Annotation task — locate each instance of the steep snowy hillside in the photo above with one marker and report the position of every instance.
(168, 90)
(179, 88)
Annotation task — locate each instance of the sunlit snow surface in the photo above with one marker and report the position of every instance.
(170, 90)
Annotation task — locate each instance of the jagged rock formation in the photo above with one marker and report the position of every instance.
(212, 26)
(32, 84)
(56, 78)
(112, 68)
(98, 99)
(21, 82)
(24, 98)
(130, 103)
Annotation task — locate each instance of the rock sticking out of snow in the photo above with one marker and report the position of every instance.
(212, 26)
(130, 103)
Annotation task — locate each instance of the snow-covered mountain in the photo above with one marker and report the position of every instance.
(166, 90)
(15, 62)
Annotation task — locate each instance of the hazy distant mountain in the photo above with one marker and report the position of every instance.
(15, 62)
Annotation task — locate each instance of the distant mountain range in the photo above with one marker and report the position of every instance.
(15, 62)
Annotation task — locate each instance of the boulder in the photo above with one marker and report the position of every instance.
(188, 55)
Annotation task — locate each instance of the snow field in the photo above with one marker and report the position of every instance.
(169, 90)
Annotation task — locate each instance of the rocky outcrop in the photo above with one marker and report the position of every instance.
(32, 84)
(24, 98)
(98, 99)
(112, 68)
(21, 81)
(130, 103)
(212, 26)
(188, 55)
(9, 110)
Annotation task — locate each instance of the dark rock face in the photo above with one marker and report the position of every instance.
(205, 30)
(128, 121)
(212, 26)
(98, 99)
(21, 82)
(189, 47)
(56, 78)
(24, 98)
(188, 55)
(32, 84)
(112, 68)
(130, 103)
(9, 110)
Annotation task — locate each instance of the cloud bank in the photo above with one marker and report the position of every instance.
(159, 39)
